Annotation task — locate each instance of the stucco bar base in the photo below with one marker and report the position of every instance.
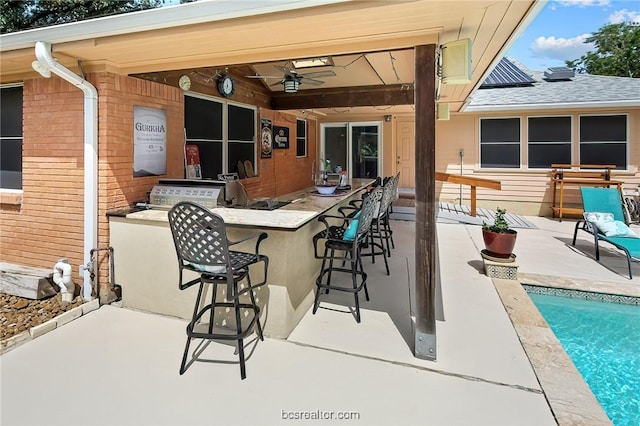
(146, 267)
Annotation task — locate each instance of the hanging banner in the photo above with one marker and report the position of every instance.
(280, 137)
(265, 138)
(149, 141)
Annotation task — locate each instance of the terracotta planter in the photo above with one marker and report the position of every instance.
(499, 244)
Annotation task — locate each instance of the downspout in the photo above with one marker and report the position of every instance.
(44, 65)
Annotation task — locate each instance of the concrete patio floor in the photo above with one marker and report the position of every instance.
(116, 366)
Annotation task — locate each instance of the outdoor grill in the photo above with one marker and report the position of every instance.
(168, 192)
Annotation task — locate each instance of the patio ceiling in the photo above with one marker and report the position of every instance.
(371, 43)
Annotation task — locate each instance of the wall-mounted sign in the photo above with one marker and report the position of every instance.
(280, 137)
(149, 141)
(265, 138)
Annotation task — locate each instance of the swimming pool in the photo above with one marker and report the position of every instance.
(603, 341)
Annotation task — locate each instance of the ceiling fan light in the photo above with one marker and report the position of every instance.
(291, 85)
(324, 61)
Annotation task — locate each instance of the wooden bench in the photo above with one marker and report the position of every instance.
(564, 175)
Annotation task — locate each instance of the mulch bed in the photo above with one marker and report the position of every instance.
(18, 314)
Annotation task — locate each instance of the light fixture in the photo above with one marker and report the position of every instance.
(325, 61)
(291, 85)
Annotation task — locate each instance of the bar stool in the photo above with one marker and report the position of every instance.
(381, 234)
(202, 246)
(385, 218)
(347, 239)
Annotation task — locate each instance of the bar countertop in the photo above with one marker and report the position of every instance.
(304, 206)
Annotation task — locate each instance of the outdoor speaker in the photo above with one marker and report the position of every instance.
(442, 111)
(456, 62)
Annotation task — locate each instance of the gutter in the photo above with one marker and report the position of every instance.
(554, 106)
(46, 65)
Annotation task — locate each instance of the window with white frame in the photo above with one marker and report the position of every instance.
(603, 140)
(548, 141)
(224, 133)
(11, 137)
(500, 143)
(301, 138)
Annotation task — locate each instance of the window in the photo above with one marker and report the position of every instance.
(221, 131)
(301, 138)
(500, 143)
(241, 137)
(549, 141)
(11, 137)
(603, 140)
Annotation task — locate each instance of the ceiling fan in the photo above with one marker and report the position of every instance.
(291, 79)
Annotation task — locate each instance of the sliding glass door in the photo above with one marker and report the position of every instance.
(354, 145)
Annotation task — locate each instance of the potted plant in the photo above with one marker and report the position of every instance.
(499, 239)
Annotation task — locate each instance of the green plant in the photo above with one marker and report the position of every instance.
(500, 224)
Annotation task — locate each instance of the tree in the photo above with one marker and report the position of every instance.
(617, 52)
(18, 15)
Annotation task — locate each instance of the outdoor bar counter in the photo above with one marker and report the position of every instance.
(146, 265)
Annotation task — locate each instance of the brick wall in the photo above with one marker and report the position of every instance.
(118, 94)
(284, 172)
(48, 224)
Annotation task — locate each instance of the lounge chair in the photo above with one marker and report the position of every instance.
(603, 212)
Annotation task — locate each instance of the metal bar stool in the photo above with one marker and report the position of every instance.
(381, 235)
(393, 191)
(347, 239)
(202, 246)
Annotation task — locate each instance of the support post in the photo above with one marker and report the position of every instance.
(425, 167)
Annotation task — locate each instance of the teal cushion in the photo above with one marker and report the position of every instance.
(350, 233)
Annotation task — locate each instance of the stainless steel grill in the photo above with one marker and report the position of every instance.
(170, 192)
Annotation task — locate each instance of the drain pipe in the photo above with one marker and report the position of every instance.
(46, 65)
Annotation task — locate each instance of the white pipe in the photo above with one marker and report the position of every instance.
(43, 54)
(62, 277)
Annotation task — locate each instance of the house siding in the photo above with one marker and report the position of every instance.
(524, 191)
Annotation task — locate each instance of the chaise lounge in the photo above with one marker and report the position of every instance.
(604, 218)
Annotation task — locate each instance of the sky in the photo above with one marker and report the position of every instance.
(558, 31)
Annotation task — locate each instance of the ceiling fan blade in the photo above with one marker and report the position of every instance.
(276, 83)
(285, 69)
(307, 80)
(264, 76)
(327, 73)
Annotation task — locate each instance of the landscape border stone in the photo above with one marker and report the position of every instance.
(37, 331)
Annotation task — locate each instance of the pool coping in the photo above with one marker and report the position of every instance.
(571, 400)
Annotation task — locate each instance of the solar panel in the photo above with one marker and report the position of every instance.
(506, 74)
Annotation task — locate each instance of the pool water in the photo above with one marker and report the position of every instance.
(603, 340)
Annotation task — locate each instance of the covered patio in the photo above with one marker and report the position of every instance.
(121, 367)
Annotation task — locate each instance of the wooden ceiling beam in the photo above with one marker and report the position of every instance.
(398, 94)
